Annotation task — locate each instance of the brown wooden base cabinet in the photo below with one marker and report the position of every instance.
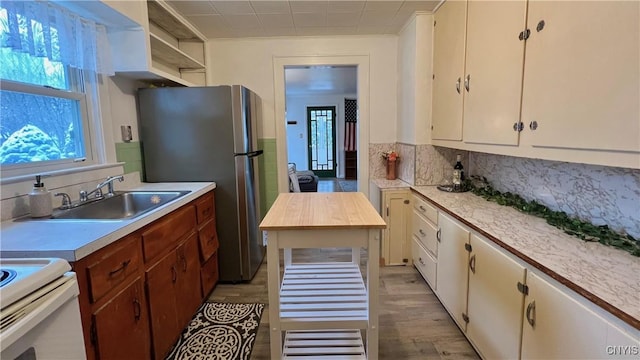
(138, 293)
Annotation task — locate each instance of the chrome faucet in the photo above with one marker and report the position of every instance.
(84, 196)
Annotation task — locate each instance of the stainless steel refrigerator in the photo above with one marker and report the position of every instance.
(210, 134)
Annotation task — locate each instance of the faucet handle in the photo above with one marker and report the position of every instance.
(66, 200)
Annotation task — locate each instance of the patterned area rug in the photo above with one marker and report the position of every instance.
(348, 185)
(219, 331)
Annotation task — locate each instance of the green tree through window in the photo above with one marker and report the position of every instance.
(41, 112)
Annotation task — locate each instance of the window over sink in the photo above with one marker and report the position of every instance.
(49, 114)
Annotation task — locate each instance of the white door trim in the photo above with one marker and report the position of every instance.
(362, 138)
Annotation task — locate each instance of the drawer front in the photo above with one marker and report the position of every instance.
(209, 274)
(166, 232)
(208, 238)
(423, 207)
(205, 208)
(112, 269)
(426, 233)
(425, 263)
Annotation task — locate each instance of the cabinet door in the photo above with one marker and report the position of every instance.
(559, 327)
(122, 325)
(452, 272)
(493, 71)
(161, 289)
(188, 287)
(495, 304)
(395, 244)
(448, 70)
(581, 76)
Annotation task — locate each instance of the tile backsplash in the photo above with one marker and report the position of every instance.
(598, 194)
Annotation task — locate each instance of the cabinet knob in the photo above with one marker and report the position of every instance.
(533, 125)
(540, 25)
(422, 233)
(467, 80)
(458, 85)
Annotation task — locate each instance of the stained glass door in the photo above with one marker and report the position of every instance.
(322, 140)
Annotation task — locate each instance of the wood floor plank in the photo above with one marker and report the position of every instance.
(413, 323)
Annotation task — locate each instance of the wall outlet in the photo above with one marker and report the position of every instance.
(127, 136)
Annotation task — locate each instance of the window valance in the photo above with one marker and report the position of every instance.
(43, 29)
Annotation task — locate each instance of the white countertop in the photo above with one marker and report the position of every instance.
(607, 276)
(384, 184)
(74, 239)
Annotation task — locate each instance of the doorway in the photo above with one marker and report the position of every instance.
(286, 120)
(321, 140)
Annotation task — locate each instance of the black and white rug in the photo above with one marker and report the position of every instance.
(219, 331)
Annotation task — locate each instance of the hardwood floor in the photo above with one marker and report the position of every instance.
(413, 323)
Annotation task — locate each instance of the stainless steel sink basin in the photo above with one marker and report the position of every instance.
(122, 206)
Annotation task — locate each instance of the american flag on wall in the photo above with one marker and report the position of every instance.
(350, 121)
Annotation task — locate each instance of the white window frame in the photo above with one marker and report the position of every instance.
(89, 101)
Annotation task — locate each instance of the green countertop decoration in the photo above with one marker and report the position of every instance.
(572, 226)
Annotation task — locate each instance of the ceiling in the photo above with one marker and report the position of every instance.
(261, 18)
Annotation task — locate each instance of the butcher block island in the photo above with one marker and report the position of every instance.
(323, 307)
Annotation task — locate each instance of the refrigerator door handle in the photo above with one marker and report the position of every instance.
(250, 154)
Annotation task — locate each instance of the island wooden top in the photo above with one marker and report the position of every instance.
(300, 211)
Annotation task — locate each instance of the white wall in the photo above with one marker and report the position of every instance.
(415, 66)
(297, 148)
(122, 98)
(250, 62)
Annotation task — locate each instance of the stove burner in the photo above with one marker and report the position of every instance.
(7, 276)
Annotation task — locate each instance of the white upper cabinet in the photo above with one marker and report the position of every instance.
(568, 91)
(448, 70)
(493, 71)
(164, 47)
(582, 75)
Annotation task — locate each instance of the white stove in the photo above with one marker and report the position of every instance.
(39, 311)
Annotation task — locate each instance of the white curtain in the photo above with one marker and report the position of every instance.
(43, 29)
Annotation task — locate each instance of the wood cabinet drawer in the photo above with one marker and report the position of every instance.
(205, 208)
(425, 263)
(208, 238)
(114, 267)
(165, 233)
(423, 207)
(209, 274)
(426, 233)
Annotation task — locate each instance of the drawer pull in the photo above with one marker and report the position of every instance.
(472, 264)
(531, 313)
(174, 274)
(121, 268)
(422, 208)
(422, 233)
(439, 235)
(137, 310)
(421, 261)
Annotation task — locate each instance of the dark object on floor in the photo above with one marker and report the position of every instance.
(302, 181)
(219, 332)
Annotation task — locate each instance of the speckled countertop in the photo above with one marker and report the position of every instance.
(72, 240)
(608, 277)
(384, 184)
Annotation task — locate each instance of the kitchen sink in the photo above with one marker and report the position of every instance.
(123, 205)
